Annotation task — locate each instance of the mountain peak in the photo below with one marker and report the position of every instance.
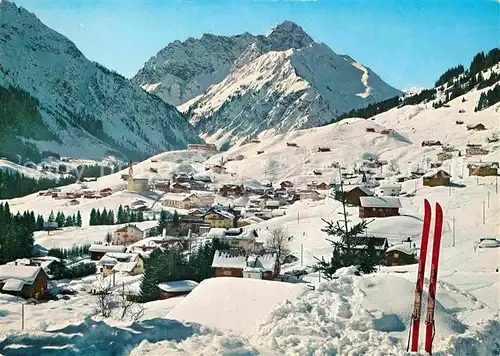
(288, 35)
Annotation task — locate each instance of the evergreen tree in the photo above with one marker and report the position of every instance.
(140, 216)
(108, 238)
(149, 284)
(60, 219)
(344, 239)
(111, 217)
(78, 219)
(132, 217)
(93, 217)
(51, 216)
(103, 219)
(176, 220)
(39, 222)
(98, 217)
(120, 216)
(69, 221)
(163, 221)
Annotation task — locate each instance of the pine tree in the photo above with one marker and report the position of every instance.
(111, 218)
(176, 220)
(149, 284)
(103, 219)
(93, 217)
(120, 216)
(108, 238)
(39, 222)
(69, 221)
(51, 217)
(98, 217)
(140, 216)
(163, 221)
(78, 219)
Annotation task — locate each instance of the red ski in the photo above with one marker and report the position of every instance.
(431, 301)
(417, 303)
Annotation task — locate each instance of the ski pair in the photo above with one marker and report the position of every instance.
(431, 301)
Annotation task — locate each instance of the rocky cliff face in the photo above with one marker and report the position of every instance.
(83, 109)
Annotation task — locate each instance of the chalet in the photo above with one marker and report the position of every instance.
(139, 205)
(291, 144)
(244, 239)
(387, 131)
(99, 250)
(24, 281)
(255, 141)
(262, 267)
(475, 150)
(204, 198)
(231, 189)
(127, 235)
(181, 201)
(229, 264)
(379, 207)
(219, 169)
(208, 147)
(380, 244)
(106, 192)
(436, 178)
(272, 204)
(219, 218)
(180, 187)
(483, 169)
(443, 156)
(317, 172)
(309, 194)
(400, 255)
(176, 288)
(370, 129)
(197, 185)
(431, 143)
(476, 127)
(181, 177)
(353, 195)
(73, 202)
(492, 138)
(318, 186)
(390, 190)
(286, 184)
(126, 263)
(459, 122)
(436, 164)
(324, 149)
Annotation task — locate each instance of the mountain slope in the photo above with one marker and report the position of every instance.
(84, 109)
(281, 81)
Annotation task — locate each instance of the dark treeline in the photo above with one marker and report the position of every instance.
(16, 237)
(449, 74)
(14, 184)
(107, 217)
(60, 271)
(65, 253)
(488, 98)
(61, 219)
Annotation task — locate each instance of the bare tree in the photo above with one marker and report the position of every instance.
(108, 238)
(278, 242)
(105, 300)
(129, 307)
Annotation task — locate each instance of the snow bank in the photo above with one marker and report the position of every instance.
(234, 304)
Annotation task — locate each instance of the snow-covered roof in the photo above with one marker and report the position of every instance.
(475, 165)
(435, 172)
(125, 266)
(380, 202)
(390, 186)
(27, 274)
(272, 203)
(264, 263)
(223, 213)
(405, 248)
(224, 259)
(216, 232)
(13, 285)
(178, 286)
(363, 189)
(107, 248)
(107, 261)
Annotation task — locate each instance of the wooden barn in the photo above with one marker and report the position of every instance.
(400, 255)
(99, 250)
(370, 129)
(431, 143)
(291, 144)
(379, 207)
(476, 127)
(324, 149)
(317, 172)
(229, 264)
(24, 281)
(436, 178)
(483, 169)
(353, 195)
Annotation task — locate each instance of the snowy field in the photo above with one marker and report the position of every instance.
(352, 315)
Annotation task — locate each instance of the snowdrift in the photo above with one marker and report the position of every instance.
(233, 304)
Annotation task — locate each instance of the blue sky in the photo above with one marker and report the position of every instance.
(408, 43)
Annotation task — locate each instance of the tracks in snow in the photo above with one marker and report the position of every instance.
(364, 80)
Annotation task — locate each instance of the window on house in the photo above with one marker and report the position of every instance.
(396, 255)
(226, 273)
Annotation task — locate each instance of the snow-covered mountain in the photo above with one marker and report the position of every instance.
(79, 107)
(281, 81)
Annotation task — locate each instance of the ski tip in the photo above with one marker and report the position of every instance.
(438, 208)
(427, 205)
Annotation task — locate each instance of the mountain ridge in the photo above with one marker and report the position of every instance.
(91, 110)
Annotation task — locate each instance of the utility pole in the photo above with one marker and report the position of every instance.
(453, 230)
(496, 184)
(301, 254)
(484, 217)
(488, 199)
